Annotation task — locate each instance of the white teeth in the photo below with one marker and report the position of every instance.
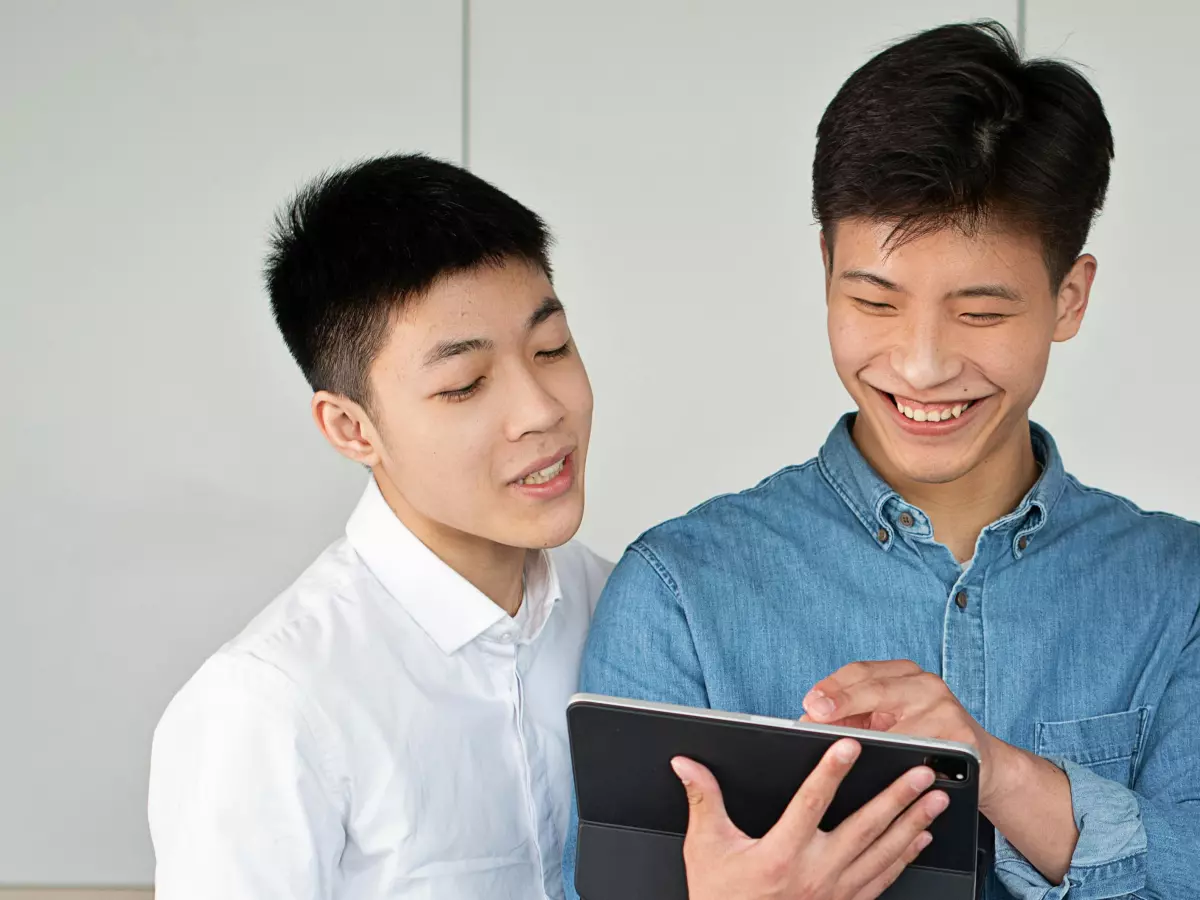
(547, 474)
(933, 415)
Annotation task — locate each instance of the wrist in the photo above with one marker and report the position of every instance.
(1007, 768)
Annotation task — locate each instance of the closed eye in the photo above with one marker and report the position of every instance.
(984, 318)
(559, 353)
(462, 393)
(873, 306)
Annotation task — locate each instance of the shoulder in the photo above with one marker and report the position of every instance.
(1119, 516)
(728, 522)
(582, 573)
(236, 688)
(318, 619)
(301, 653)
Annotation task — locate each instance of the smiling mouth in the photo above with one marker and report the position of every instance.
(930, 414)
(542, 476)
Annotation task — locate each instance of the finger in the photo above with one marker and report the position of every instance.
(898, 696)
(861, 830)
(887, 878)
(872, 721)
(855, 673)
(803, 815)
(707, 818)
(896, 841)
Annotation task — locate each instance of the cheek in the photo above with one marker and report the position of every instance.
(852, 341)
(441, 451)
(574, 391)
(1016, 364)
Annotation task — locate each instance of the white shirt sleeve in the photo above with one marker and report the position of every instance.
(245, 797)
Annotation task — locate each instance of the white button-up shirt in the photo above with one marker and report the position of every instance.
(382, 729)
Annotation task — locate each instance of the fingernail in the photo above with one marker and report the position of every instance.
(921, 778)
(924, 840)
(938, 803)
(680, 771)
(818, 704)
(846, 751)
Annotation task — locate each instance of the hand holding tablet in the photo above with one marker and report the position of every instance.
(860, 858)
(773, 807)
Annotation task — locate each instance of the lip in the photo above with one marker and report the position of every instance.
(542, 464)
(932, 429)
(556, 486)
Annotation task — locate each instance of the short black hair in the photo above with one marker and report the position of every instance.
(951, 127)
(354, 245)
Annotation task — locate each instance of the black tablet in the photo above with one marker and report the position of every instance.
(633, 810)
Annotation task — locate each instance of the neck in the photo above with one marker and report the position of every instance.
(496, 570)
(959, 510)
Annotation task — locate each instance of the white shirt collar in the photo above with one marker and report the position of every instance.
(447, 607)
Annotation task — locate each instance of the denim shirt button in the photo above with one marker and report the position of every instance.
(1022, 543)
(906, 520)
(961, 599)
(883, 536)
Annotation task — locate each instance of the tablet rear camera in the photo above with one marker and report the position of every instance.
(953, 769)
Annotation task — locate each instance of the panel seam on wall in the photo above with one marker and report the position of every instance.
(465, 123)
(1021, 25)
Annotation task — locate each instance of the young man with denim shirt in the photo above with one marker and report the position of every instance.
(935, 571)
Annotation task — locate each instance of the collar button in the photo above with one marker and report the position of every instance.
(906, 520)
(1023, 543)
(882, 535)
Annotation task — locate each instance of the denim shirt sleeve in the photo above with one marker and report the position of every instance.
(640, 647)
(1142, 843)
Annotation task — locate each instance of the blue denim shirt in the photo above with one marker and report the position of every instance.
(1079, 640)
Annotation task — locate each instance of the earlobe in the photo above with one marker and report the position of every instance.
(346, 426)
(1073, 296)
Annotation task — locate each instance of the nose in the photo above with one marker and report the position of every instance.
(924, 356)
(533, 406)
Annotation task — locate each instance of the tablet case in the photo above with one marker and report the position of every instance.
(633, 810)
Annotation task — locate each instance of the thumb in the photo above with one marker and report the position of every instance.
(706, 808)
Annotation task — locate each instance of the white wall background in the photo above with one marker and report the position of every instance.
(160, 480)
(159, 476)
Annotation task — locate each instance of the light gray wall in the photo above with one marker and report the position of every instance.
(161, 479)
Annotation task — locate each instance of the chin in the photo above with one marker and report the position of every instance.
(934, 474)
(552, 529)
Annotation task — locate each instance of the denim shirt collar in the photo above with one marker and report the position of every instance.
(880, 508)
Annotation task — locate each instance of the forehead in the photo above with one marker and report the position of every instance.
(941, 259)
(493, 302)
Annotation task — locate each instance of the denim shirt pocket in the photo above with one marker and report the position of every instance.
(1109, 745)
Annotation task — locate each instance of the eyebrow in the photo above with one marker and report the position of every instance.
(445, 350)
(1000, 291)
(450, 349)
(988, 290)
(550, 306)
(870, 278)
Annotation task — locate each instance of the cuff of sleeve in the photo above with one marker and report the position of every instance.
(1110, 856)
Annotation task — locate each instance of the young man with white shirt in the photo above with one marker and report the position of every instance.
(393, 724)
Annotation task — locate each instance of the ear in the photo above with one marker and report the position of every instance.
(826, 262)
(347, 427)
(1073, 294)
